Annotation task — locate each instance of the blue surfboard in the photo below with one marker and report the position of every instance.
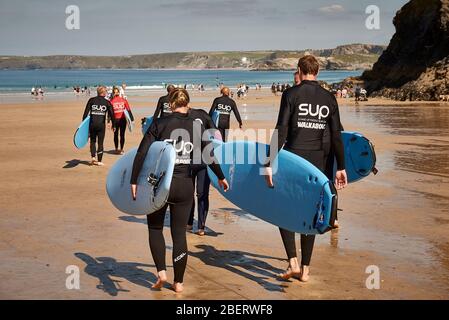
(215, 117)
(129, 121)
(360, 157)
(81, 136)
(153, 183)
(303, 199)
(146, 123)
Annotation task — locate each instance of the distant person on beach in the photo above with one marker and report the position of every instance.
(33, 91)
(224, 105)
(163, 105)
(98, 107)
(119, 105)
(306, 140)
(122, 91)
(273, 89)
(357, 93)
(182, 187)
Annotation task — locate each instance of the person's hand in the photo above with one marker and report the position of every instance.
(269, 177)
(341, 179)
(134, 191)
(223, 184)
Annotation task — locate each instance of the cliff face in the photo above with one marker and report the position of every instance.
(354, 56)
(415, 65)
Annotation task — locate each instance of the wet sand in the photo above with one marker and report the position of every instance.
(55, 213)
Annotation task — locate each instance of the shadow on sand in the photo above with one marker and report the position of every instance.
(242, 263)
(237, 212)
(136, 219)
(74, 163)
(104, 268)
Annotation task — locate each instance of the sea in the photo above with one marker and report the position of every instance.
(58, 81)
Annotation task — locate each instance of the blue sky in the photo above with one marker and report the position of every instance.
(149, 26)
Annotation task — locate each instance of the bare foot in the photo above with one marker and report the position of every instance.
(101, 164)
(304, 274)
(290, 274)
(122, 152)
(93, 162)
(161, 280)
(178, 287)
(336, 225)
(201, 232)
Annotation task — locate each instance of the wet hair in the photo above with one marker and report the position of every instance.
(309, 65)
(101, 90)
(179, 98)
(170, 88)
(225, 91)
(114, 90)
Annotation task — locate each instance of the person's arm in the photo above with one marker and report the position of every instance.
(212, 108)
(149, 137)
(158, 109)
(215, 166)
(87, 109)
(335, 130)
(111, 116)
(128, 108)
(209, 124)
(237, 114)
(341, 179)
(282, 124)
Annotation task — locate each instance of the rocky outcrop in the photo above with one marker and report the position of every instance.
(415, 65)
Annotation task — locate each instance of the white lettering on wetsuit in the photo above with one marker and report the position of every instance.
(98, 110)
(224, 109)
(183, 150)
(307, 110)
(166, 107)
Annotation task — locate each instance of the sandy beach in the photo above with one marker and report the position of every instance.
(55, 213)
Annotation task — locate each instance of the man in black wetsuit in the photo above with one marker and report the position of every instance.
(98, 107)
(224, 105)
(163, 105)
(202, 178)
(306, 111)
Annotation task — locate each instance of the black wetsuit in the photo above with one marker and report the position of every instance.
(305, 113)
(98, 107)
(163, 107)
(182, 185)
(202, 178)
(225, 105)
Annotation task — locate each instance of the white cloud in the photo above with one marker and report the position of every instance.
(334, 8)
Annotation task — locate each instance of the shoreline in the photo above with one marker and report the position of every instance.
(62, 96)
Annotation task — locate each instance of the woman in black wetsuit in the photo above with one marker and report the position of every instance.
(185, 133)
